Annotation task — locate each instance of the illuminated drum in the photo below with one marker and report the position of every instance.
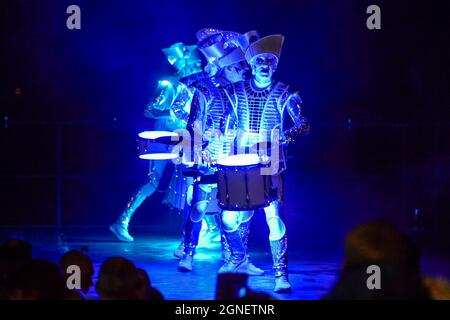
(157, 145)
(240, 184)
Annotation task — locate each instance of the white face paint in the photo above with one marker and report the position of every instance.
(263, 66)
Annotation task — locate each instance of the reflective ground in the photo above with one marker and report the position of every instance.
(310, 278)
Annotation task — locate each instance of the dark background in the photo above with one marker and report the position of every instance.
(378, 102)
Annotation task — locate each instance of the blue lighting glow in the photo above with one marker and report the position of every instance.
(165, 83)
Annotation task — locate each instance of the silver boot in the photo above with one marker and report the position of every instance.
(191, 234)
(239, 261)
(280, 262)
(120, 227)
(238, 257)
(212, 231)
(226, 252)
(252, 270)
(178, 252)
(187, 260)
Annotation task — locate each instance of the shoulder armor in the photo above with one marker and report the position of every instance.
(193, 78)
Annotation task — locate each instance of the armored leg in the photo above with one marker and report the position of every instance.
(278, 246)
(211, 233)
(235, 235)
(193, 226)
(178, 253)
(211, 223)
(238, 258)
(280, 263)
(226, 252)
(191, 235)
(252, 270)
(120, 227)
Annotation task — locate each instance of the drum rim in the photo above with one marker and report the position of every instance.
(242, 208)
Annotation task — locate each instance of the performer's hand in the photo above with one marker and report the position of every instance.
(159, 103)
(284, 141)
(207, 156)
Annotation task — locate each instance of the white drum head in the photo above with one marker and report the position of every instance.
(151, 135)
(158, 156)
(239, 160)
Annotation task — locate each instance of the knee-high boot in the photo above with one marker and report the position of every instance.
(190, 235)
(252, 270)
(239, 261)
(120, 227)
(226, 252)
(238, 255)
(280, 264)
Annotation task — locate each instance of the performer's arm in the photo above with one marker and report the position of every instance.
(159, 105)
(196, 114)
(181, 105)
(301, 124)
(197, 121)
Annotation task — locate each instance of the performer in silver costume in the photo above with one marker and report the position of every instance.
(260, 105)
(168, 117)
(210, 119)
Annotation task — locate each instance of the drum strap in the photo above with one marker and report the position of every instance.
(208, 179)
(226, 189)
(265, 189)
(246, 188)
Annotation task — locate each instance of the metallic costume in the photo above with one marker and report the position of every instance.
(166, 116)
(210, 118)
(260, 106)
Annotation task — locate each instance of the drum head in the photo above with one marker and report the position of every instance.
(163, 137)
(157, 145)
(158, 156)
(152, 135)
(239, 160)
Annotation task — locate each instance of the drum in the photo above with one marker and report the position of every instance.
(157, 145)
(240, 184)
(176, 194)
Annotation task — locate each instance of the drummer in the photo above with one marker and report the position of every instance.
(261, 105)
(165, 116)
(211, 119)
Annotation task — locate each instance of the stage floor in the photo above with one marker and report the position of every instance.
(310, 279)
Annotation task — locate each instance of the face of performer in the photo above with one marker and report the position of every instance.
(263, 66)
(236, 72)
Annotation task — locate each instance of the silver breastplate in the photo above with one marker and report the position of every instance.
(215, 113)
(258, 110)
